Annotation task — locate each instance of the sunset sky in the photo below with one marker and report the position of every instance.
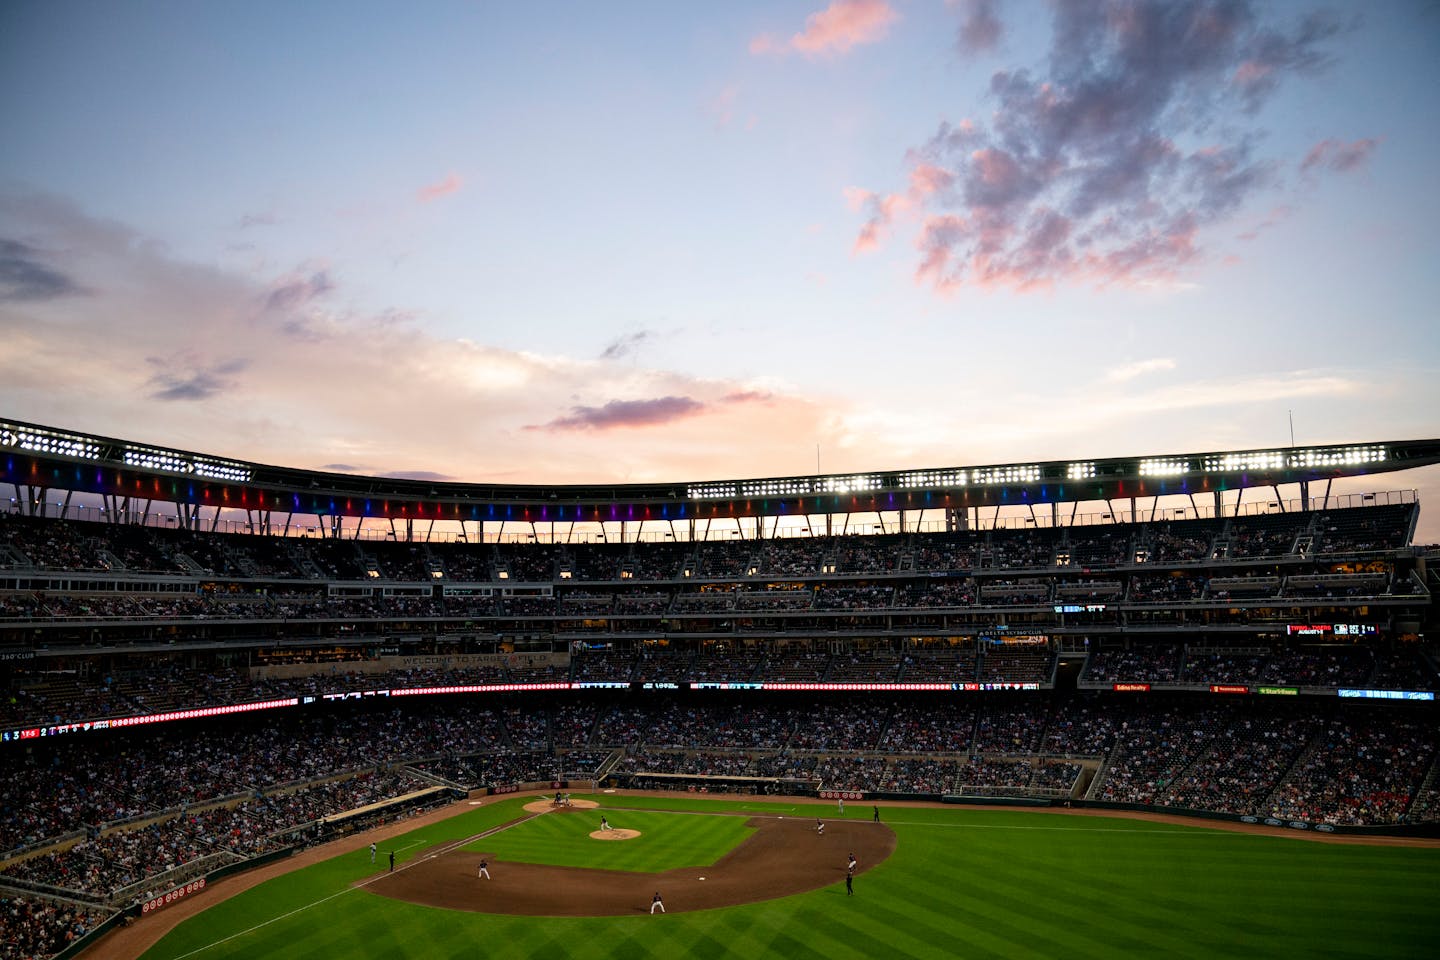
(668, 241)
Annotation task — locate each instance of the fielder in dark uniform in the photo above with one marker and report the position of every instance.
(392, 861)
(656, 902)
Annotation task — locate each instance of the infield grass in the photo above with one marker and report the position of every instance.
(667, 841)
(962, 883)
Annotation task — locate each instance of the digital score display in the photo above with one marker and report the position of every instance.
(1388, 694)
(117, 723)
(1332, 630)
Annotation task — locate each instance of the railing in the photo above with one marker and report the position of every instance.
(985, 790)
(43, 844)
(51, 892)
(745, 528)
(173, 876)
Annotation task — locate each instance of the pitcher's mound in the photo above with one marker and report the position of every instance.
(614, 834)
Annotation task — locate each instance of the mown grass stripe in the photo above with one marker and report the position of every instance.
(976, 884)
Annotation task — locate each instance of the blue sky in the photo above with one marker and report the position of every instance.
(578, 242)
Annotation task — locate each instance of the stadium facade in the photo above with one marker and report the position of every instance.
(1224, 637)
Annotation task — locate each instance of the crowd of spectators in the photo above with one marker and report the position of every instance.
(35, 929)
(1150, 663)
(82, 546)
(1360, 768)
(477, 771)
(103, 864)
(89, 782)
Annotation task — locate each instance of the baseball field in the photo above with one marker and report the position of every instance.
(932, 882)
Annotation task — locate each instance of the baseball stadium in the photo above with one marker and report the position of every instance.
(1175, 704)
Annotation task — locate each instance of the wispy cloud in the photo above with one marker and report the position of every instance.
(317, 384)
(24, 277)
(625, 345)
(835, 30)
(1138, 368)
(187, 378)
(452, 183)
(724, 109)
(416, 475)
(297, 290)
(1089, 169)
(1277, 215)
(619, 414)
(1339, 156)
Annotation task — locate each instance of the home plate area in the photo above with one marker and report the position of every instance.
(781, 858)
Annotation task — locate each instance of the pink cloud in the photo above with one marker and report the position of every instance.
(856, 197)
(1251, 73)
(1338, 156)
(434, 191)
(883, 210)
(1274, 217)
(834, 30)
(938, 235)
(927, 178)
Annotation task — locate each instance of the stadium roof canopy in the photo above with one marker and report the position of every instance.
(40, 457)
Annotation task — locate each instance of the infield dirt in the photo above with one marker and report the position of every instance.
(784, 856)
(128, 942)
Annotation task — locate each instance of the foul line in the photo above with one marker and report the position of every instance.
(356, 886)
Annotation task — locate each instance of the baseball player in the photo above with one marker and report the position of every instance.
(392, 861)
(819, 827)
(484, 870)
(850, 867)
(372, 853)
(840, 801)
(604, 824)
(877, 814)
(656, 902)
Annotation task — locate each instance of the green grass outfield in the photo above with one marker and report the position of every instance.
(962, 883)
